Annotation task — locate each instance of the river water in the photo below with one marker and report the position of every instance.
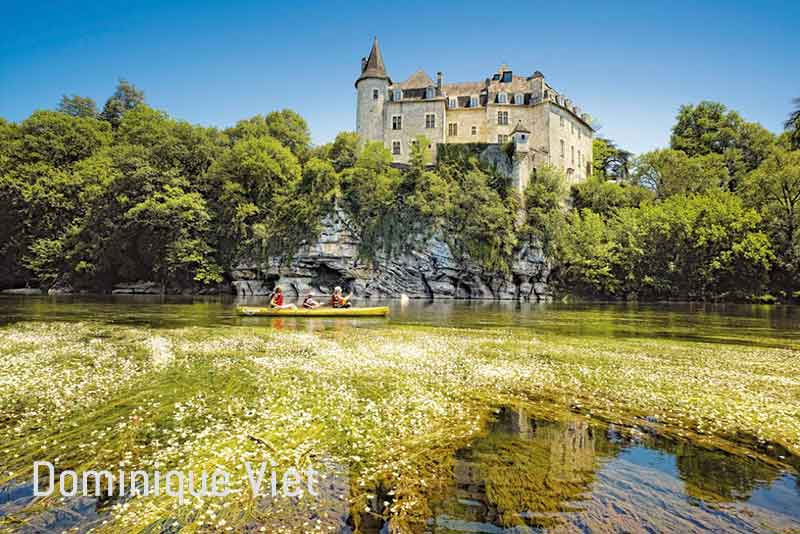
(534, 474)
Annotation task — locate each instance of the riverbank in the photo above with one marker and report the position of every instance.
(382, 404)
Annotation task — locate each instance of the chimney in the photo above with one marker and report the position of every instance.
(439, 80)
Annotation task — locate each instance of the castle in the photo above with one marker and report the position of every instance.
(545, 127)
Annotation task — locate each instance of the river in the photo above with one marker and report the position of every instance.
(527, 472)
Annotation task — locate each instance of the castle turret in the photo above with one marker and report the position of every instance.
(522, 161)
(372, 87)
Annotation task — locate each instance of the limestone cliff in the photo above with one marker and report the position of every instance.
(428, 271)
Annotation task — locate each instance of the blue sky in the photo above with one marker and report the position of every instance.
(629, 64)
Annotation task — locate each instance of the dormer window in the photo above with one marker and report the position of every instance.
(452, 102)
(473, 101)
(519, 99)
(502, 98)
(506, 76)
(398, 94)
(429, 92)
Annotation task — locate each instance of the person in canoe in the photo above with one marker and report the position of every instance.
(310, 304)
(339, 301)
(277, 301)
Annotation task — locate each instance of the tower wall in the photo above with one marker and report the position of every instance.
(369, 110)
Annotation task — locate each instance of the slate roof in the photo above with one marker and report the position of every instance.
(418, 80)
(374, 67)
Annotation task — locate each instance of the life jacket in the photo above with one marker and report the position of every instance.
(337, 301)
(278, 299)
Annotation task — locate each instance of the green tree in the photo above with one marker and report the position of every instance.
(291, 130)
(670, 172)
(126, 97)
(343, 152)
(481, 224)
(609, 161)
(605, 198)
(584, 256)
(370, 194)
(59, 139)
(250, 186)
(710, 128)
(78, 106)
(774, 189)
(544, 199)
(792, 125)
(170, 143)
(172, 226)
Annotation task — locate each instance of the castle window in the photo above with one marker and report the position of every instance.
(397, 122)
(429, 92)
(506, 76)
(580, 134)
(502, 98)
(561, 119)
(562, 148)
(452, 102)
(398, 94)
(519, 99)
(580, 161)
(572, 127)
(572, 154)
(474, 130)
(502, 139)
(396, 148)
(375, 94)
(430, 120)
(473, 101)
(502, 117)
(452, 129)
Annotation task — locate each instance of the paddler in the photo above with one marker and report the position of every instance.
(339, 301)
(277, 300)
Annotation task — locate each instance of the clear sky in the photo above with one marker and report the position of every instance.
(629, 64)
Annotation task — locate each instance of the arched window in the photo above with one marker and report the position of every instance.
(398, 94)
(519, 99)
(502, 98)
(429, 92)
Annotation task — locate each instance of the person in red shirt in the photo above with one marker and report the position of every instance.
(339, 301)
(277, 300)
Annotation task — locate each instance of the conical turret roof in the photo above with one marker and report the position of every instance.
(374, 67)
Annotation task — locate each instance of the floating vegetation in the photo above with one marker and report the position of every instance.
(381, 410)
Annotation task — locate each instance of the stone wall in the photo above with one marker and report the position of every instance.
(428, 271)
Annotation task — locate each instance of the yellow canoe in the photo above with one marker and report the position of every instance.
(377, 311)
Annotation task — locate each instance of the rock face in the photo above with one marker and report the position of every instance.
(428, 271)
(137, 288)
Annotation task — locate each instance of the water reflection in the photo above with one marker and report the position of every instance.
(529, 475)
(749, 325)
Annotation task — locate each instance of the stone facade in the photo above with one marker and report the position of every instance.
(396, 114)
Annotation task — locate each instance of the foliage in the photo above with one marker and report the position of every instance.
(125, 98)
(136, 195)
(672, 172)
(609, 161)
(605, 198)
(58, 139)
(709, 128)
(792, 125)
(774, 189)
(78, 106)
(692, 247)
(544, 200)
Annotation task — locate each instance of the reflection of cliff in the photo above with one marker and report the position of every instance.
(525, 472)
